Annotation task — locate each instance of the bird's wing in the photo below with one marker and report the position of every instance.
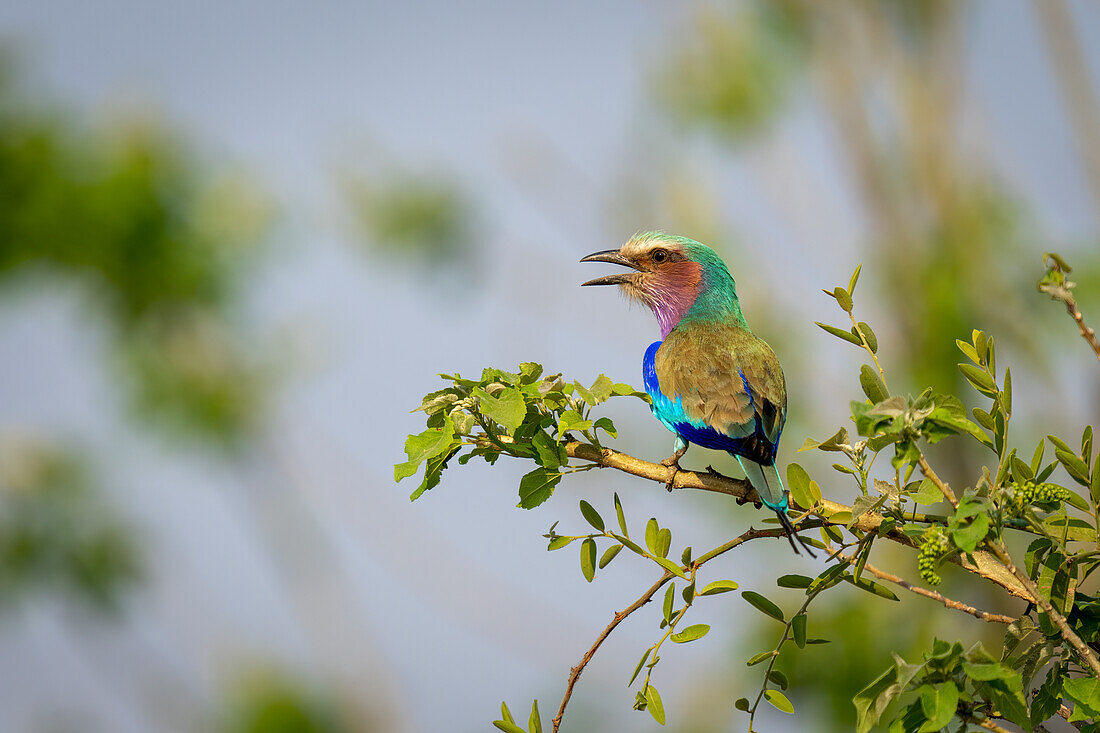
(724, 378)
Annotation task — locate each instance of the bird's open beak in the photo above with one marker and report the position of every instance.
(613, 256)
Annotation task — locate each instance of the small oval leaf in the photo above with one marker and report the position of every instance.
(763, 604)
(588, 559)
(654, 705)
(779, 701)
(691, 633)
(718, 586)
(592, 516)
(609, 555)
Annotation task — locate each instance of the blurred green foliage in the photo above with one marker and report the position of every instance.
(426, 220)
(269, 702)
(738, 70)
(55, 532)
(157, 246)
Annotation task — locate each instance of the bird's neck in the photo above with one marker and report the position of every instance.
(715, 305)
(714, 300)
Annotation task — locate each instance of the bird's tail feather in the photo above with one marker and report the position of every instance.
(773, 494)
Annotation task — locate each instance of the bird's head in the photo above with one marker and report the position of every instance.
(675, 277)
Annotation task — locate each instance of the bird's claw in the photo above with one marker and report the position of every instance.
(712, 471)
(674, 464)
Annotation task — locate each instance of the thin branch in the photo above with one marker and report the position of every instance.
(1087, 333)
(778, 648)
(940, 484)
(575, 672)
(993, 618)
(1083, 650)
(990, 725)
(984, 564)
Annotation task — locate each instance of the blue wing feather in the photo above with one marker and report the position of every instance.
(672, 415)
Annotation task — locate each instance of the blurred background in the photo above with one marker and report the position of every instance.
(239, 240)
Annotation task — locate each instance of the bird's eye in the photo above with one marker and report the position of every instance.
(660, 256)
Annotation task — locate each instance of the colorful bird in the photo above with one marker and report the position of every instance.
(713, 382)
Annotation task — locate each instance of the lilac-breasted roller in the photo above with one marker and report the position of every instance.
(712, 381)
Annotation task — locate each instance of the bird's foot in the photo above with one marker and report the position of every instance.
(675, 466)
(673, 462)
(712, 471)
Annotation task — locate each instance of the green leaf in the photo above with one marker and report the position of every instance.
(778, 678)
(571, 420)
(584, 394)
(605, 424)
(1085, 693)
(433, 472)
(756, 659)
(609, 555)
(691, 633)
(651, 530)
(1008, 698)
(529, 371)
(588, 559)
(423, 446)
(968, 351)
(602, 388)
(872, 700)
(670, 598)
(872, 384)
(939, 704)
(843, 299)
(620, 515)
(742, 704)
(762, 604)
(654, 705)
(868, 334)
(798, 630)
(548, 453)
(629, 544)
(979, 379)
(1094, 487)
(536, 487)
(793, 581)
(670, 566)
(854, 279)
(591, 516)
(638, 669)
(872, 587)
(798, 482)
(969, 537)
(928, 493)
(664, 541)
(508, 723)
(1048, 698)
(985, 671)
(840, 333)
(559, 542)
(1075, 467)
(718, 586)
(507, 409)
(779, 701)
(534, 723)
